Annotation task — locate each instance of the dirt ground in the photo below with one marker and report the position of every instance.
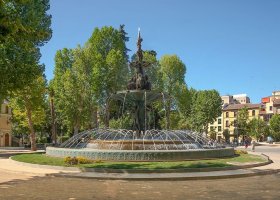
(260, 187)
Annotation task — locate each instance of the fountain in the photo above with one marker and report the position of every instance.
(140, 144)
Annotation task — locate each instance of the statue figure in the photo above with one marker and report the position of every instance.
(140, 80)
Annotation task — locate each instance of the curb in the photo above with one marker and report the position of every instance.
(135, 171)
(181, 178)
(70, 169)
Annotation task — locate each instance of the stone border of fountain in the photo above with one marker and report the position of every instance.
(141, 155)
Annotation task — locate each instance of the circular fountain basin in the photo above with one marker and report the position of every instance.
(141, 155)
(154, 145)
(141, 145)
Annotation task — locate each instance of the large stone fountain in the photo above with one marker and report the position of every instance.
(140, 144)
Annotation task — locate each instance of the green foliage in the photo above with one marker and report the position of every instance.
(257, 128)
(275, 127)
(242, 122)
(125, 122)
(205, 108)
(173, 72)
(28, 106)
(226, 134)
(86, 76)
(24, 26)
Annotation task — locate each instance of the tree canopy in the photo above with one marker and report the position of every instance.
(24, 27)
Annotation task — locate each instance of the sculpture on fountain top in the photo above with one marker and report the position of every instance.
(140, 80)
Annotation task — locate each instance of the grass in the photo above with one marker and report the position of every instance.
(224, 162)
(39, 158)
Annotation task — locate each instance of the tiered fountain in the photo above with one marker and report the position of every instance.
(140, 144)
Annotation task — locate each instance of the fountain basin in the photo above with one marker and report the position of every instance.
(141, 145)
(141, 155)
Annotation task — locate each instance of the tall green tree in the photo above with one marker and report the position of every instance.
(241, 122)
(110, 70)
(28, 106)
(274, 124)
(74, 99)
(173, 72)
(24, 27)
(64, 60)
(257, 128)
(206, 107)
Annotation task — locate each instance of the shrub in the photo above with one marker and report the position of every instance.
(77, 160)
(239, 152)
(83, 160)
(70, 160)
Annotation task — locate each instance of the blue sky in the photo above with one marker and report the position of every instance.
(232, 46)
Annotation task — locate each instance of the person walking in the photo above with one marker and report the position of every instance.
(253, 145)
(246, 142)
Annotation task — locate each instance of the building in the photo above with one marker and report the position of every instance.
(241, 99)
(271, 106)
(230, 115)
(5, 125)
(218, 125)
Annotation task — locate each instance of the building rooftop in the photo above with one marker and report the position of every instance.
(276, 102)
(239, 106)
(239, 95)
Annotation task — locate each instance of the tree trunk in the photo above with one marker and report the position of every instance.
(94, 119)
(107, 115)
(168, 109)
(31, 128)
(54, 134)
(76, 129)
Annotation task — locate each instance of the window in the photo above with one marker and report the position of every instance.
(6, 109)
(234, 123)
(212, 128)
(253, 112)
(219, 128)
(234, 113)
(227, 123)
(226, 114)
(270, 108)
(219, 121)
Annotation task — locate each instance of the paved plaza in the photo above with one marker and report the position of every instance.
(35, 185)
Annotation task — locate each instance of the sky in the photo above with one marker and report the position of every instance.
(232, 46)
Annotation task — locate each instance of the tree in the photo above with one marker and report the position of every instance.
(257, 128)
(28, 106)
(173, 72)
(241, 122)
(275, 126)
(206, 107)
(226, 135)
(24, 27)
(52, 112)
(74, 97)
(110, 70)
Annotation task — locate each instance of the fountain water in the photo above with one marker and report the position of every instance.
(140, 143)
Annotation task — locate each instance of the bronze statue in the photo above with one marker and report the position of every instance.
(140, 80)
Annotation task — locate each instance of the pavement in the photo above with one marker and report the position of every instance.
(17, 170)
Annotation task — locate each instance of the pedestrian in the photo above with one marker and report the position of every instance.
(253, 145)
(246, 142)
